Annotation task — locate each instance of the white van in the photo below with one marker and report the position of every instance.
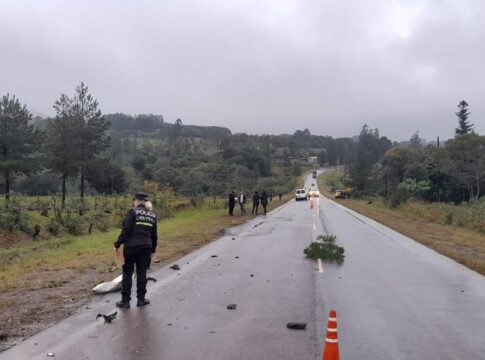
(300, 194)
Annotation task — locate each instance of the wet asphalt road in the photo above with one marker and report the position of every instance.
(395, 299)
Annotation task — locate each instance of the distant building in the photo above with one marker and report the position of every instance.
(312, 160)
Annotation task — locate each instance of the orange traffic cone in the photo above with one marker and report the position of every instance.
(330, 349)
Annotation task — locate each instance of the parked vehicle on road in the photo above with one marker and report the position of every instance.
(300, 194)
(343, 194)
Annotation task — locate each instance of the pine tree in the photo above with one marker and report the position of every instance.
(60, 145)
(415, 142)
(17, 139)
(463, 126)
(92, 126)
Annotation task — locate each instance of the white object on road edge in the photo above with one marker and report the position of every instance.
(109, 286)
(320, 265)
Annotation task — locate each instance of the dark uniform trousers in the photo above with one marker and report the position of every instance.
(140, 257)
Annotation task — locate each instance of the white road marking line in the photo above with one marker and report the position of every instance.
(320, 266)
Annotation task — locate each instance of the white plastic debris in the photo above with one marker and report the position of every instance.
(109, 286)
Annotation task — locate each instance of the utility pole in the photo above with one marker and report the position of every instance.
(439, 170)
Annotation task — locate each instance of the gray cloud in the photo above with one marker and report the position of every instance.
(255, 66)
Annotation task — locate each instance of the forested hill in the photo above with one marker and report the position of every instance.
(123, 124)
(191, 159)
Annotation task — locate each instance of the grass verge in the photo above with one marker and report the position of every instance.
(457, 242)
(22, 265)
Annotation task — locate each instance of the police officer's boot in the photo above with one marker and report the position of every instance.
(142, 302)
(124, 304)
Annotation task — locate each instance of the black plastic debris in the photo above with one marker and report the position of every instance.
(237, 257)
(233, 238)
(231, 307)
(107, 318)
(214, 256)
(252, 275)
(175, 267)
(151, 279)
(296, 326)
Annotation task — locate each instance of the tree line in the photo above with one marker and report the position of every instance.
(81, 149)
(67, 145)
(442, 171)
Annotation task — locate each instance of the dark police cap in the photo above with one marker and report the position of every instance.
(141, 196)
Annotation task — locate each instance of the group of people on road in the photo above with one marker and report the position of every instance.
(262, 199)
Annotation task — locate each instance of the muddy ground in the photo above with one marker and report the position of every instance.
(57, 295)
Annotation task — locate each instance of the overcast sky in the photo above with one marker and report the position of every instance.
(257, 66)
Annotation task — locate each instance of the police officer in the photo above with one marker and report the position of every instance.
(264, 200)
(256, 202)
(232, 203)
(139, 239)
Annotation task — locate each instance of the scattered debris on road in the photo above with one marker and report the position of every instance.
(252, 275)
(149, 278)
(50, 354)
(237, 257)
(214, 256)
(326, 249)
(175, 267)
(231, 307)
(296, 326)
(156, 260)
(108, 286)
(107, 318)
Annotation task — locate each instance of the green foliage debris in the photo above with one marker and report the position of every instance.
(326, 249)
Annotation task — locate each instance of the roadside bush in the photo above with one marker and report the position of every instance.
(12, 218)
(73, 224)
(413, 188)
(101, 221)
(397, 198)
(470, 215)
(54, 227)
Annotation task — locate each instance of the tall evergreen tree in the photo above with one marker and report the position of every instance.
(92, 126)
(415, 142)
(464, 127)
(60, 145)
(370, 149)
(17, 139)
